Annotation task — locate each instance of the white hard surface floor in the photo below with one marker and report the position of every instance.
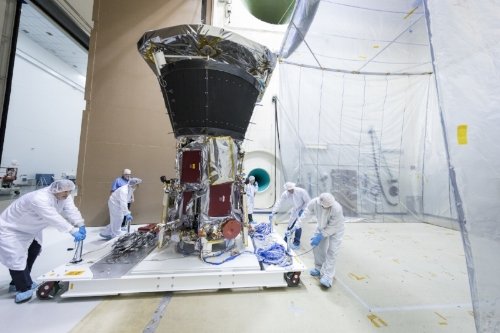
(391, 277)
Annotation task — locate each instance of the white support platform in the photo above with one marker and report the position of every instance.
(166, 270)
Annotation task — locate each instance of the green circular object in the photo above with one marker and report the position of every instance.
(271, 11)
(262, 178)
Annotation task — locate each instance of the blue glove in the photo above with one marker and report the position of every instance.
(316, 239)
(129, 218)
(78, 236)
(82, 230)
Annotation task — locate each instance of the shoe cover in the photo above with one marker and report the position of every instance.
(24, 296)
(325, 282)
(106, 237)
(314, 272)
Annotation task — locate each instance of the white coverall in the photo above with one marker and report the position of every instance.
(24, 220)
(298, 199)
(118, 208)
(251, 190)
(331, 226)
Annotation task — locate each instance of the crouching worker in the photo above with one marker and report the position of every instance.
(21, 226)
(327, 237)
(118, 208)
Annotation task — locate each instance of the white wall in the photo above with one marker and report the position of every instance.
(45, 113)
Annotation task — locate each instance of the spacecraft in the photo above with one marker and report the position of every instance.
(210, 79)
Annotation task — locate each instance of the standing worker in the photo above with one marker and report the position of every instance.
(122, 180)
(21, 225)
(118, 208)
(299, 198)
(119, 182)
(327, 237)
(251, 189)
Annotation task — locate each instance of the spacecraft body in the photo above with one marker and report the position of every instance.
(210, 79)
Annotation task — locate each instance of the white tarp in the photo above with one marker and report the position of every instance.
(365, 114)
(464, 38)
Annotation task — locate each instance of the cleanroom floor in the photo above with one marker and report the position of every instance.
(391, 277)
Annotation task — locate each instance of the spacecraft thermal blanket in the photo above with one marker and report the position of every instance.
(210, 77)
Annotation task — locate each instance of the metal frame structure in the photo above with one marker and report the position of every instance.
(165, 270)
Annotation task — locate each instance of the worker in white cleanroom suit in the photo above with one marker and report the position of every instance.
(251, 189)
(298, 198)
(119, 182)
(327, 237)
(118, 208)
(21, 225)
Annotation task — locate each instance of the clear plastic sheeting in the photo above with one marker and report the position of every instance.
(393, 107)
(359, 36)
(303, 16)
(365, 139)
(173, 44)
(464, 39)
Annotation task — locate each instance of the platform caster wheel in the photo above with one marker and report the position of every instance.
(292, 278)
(47, 290)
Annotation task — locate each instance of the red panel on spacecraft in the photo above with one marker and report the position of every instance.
(220, 200)
(191, 171)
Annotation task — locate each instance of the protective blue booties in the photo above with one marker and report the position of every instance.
(315, 272)
(24, 296)
(295, 246)
(325, 282)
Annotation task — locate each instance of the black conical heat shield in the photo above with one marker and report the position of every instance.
(210, 78)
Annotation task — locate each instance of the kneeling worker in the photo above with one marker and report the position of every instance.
(21, 226)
